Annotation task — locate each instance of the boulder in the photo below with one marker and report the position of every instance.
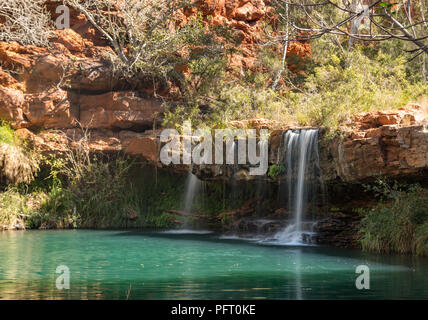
(49, 70)
(249, 12)
(70, 39)
(17, 57)
(92, 75)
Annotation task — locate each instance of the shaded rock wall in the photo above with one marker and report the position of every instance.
(356, 156)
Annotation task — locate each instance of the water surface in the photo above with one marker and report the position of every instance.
(134, 265)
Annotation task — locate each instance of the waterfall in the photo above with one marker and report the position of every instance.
(192, 188)
(234, 155)
(302, 167)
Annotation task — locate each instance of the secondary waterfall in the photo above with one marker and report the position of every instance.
(301, 161)
(192, 188)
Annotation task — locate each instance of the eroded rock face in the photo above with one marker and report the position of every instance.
(381, 143)
(245, 18)
(11, 104)
(39, 85)
(123, 110)
(396, 150)
(145, 145)
(51, 109)
(339, 229)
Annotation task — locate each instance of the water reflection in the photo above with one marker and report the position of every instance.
(125, 265)
(298, 275)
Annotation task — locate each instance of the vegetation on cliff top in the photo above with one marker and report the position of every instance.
(170, 42)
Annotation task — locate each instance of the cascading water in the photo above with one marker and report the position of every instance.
(302, 167)
(192, 188)
(234, 183)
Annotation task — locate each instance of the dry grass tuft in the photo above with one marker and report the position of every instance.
(15, 165)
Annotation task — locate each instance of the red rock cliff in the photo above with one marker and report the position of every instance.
(70, 82)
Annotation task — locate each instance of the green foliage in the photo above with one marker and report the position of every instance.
(240, 101)
(337, 86)
(36, 209)
(351, 84)
(400, 224)
(276, 170)
(59, 206)
(385, 190)
(100, 191)
(230, 100)
(165, 220)
(11, 208)
(114, 195)
(7, 134)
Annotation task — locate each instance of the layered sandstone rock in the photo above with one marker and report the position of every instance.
(39, 85)
(145, 145)
(11, 104)
(245, 19)
(51, 109)
(379, 144)
(71, 82)
(121, 110)
(393, 150)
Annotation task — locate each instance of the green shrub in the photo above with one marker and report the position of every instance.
(11, 209)
(165, 220)
(59, 204)
(398, 225)
(276, 170)
(6, 134)
(334, 89)
(101, 191)
(230, 100)
(36, 210)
